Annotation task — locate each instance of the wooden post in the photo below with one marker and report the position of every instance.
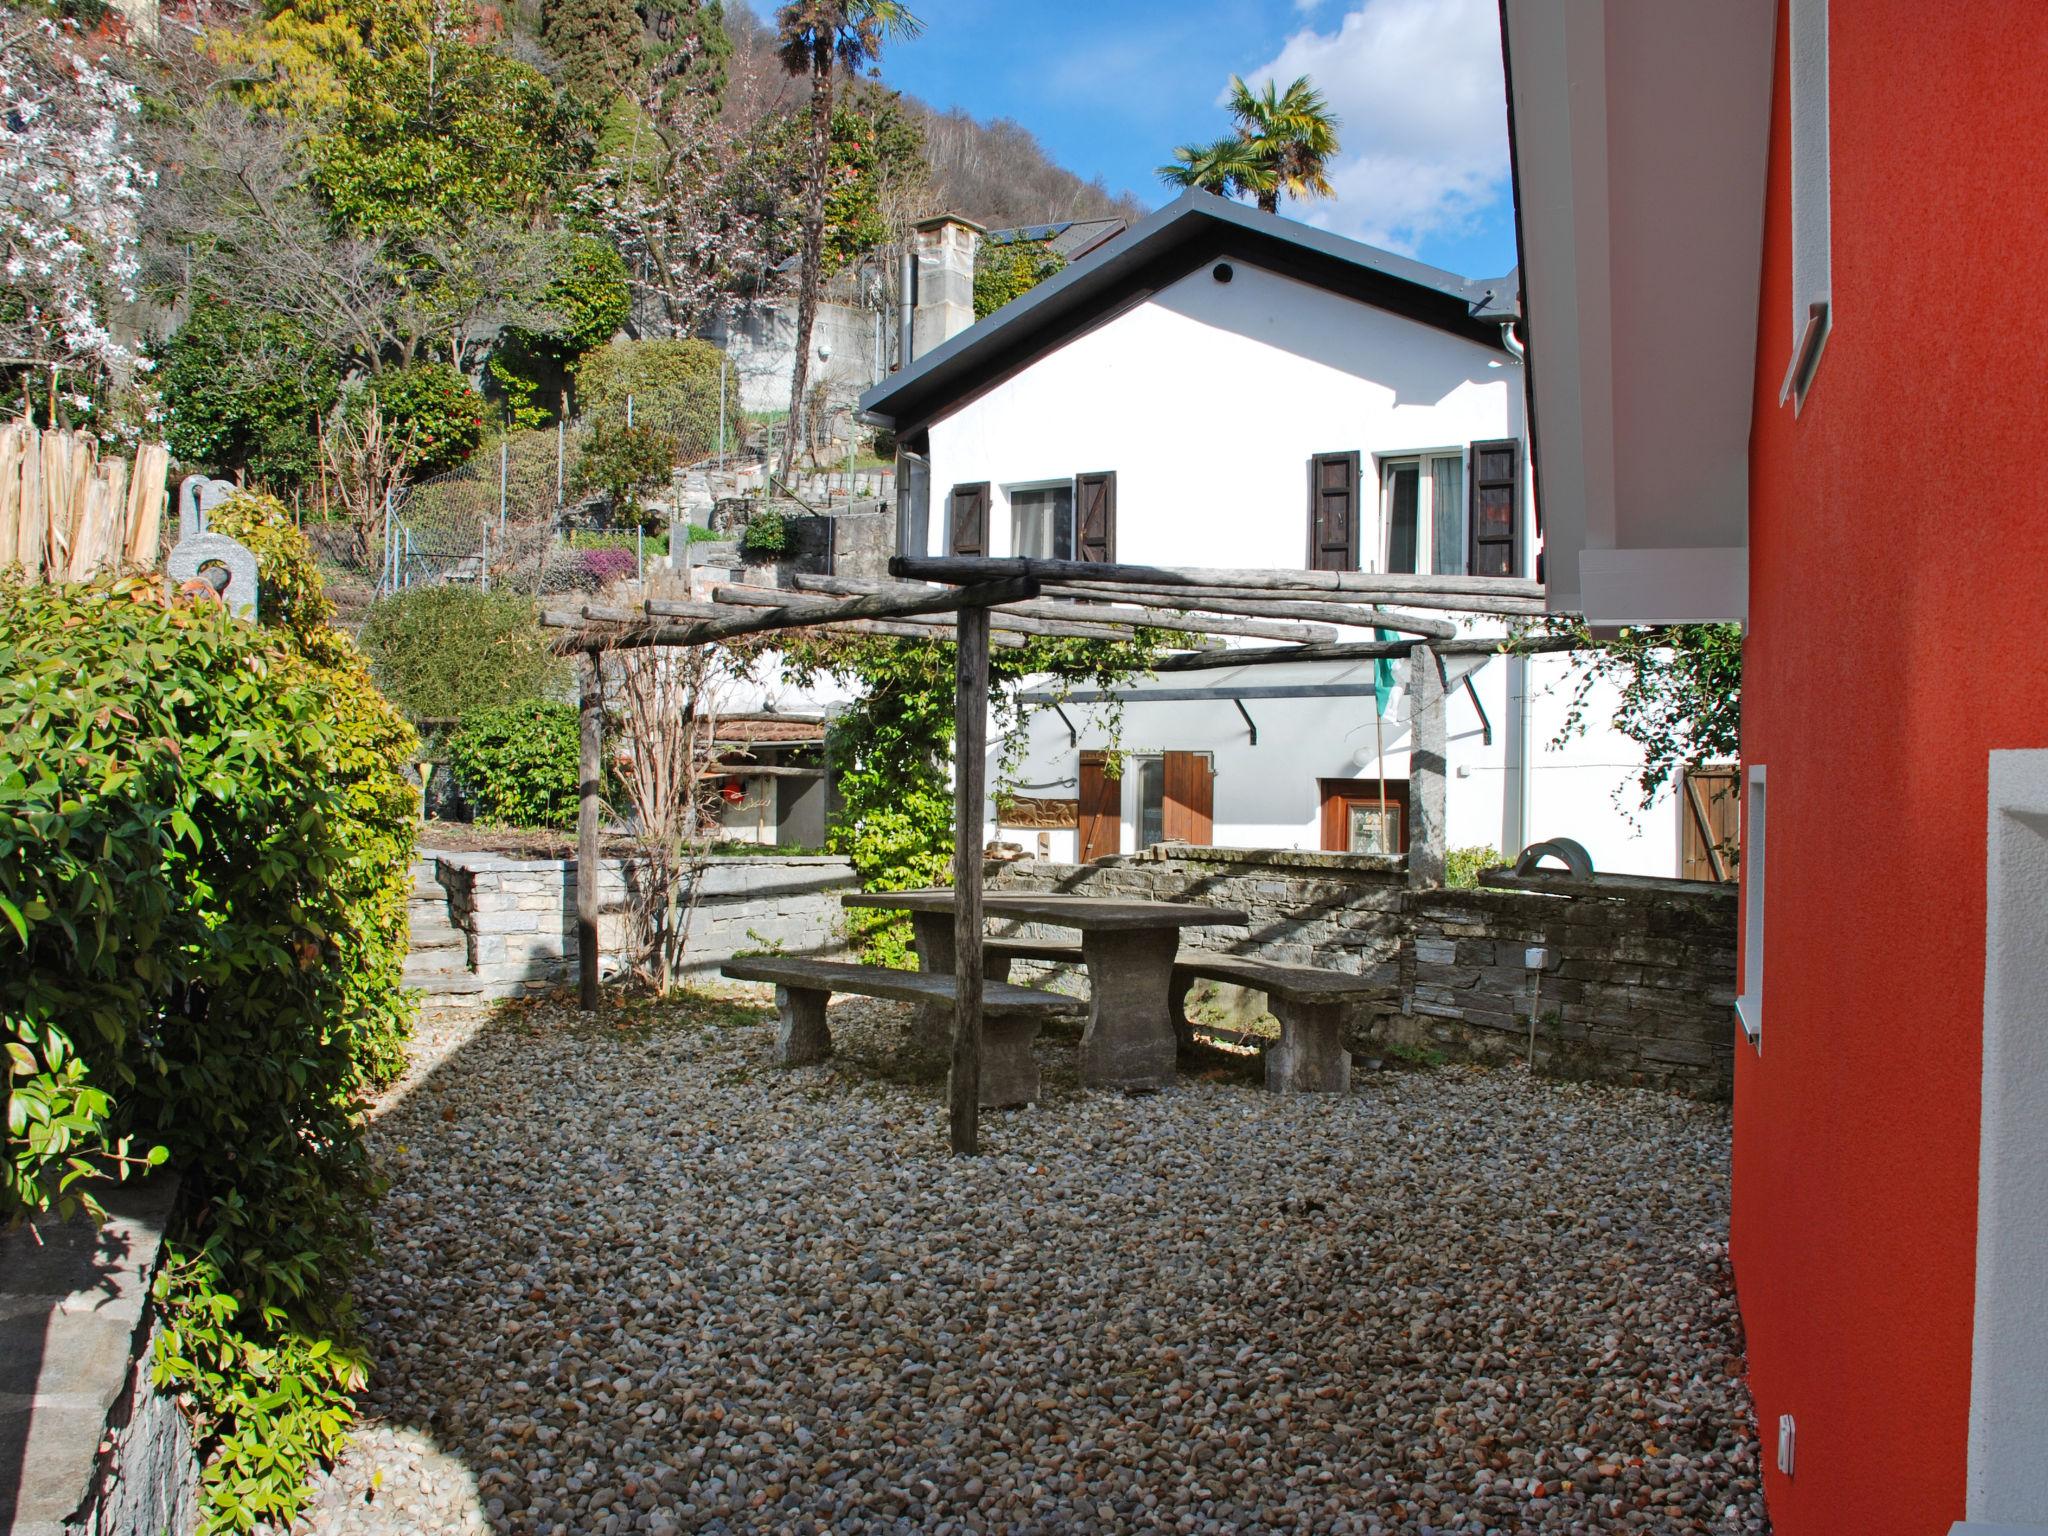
(970, 767)
(1429, 749)
(590, 780)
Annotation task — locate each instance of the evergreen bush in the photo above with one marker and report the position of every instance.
(447, 652)
(518, 766)
(674, 389)
(205, 849)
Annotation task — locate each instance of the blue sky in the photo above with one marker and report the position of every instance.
(1110, 86)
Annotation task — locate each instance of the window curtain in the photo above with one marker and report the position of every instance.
(1447, 513)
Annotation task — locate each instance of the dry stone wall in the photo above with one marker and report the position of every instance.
(518, 916)
(1633, 985)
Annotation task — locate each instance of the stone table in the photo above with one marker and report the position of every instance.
(1127, 946)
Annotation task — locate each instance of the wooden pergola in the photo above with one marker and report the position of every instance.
(984, 602)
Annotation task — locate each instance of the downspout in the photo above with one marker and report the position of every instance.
(906, 308)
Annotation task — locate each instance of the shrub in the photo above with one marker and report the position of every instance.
(766, 533)
(1008, 271)
(436, 406)
(605, 566)
(517, 766)
(622, 462)
(674, 388)
(204, 860)
(1462, 865)
(245, 394)
(448, 652)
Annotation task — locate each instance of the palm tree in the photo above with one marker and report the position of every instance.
(1223, 167)
(1293, 133)
(1284, 142)
(817, 37)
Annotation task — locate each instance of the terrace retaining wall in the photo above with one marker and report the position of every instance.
(518, 916)
(1635, 986)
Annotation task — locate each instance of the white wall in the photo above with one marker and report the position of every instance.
(1267, 796)
(1208, 400)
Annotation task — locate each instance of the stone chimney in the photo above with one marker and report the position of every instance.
(945, 248)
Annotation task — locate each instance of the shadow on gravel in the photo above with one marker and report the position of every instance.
(634, 1277)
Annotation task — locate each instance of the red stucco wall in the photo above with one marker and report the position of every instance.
(1898, 633)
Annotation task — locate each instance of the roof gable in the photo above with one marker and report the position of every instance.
(1194, 230)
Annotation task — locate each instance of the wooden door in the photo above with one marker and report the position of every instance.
(1095, 516)
(1188, 814)
(1341, 796)
(1333, 512)
(1100, 818)
(1710, 823)
(967, 519)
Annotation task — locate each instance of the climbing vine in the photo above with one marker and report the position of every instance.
(892, 749)
(1680, 692)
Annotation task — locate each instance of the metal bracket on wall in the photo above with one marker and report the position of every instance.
(1249, 723)
(1485, 725)
(1073, 736)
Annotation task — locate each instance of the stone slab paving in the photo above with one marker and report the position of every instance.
(638, 1279)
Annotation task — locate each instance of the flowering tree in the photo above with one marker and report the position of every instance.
(71, 191)
(696, 214)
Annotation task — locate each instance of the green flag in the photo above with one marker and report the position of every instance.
(1383, 674)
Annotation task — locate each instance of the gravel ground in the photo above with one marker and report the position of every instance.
(635, 1278)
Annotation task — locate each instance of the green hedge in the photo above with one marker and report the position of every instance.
(205, 844)
(518, 766)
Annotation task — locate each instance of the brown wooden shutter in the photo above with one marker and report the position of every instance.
(1095, 516)
(1333, 512)
(967, 519)
(1496, 507)
(1189, 811)
(1101, 810)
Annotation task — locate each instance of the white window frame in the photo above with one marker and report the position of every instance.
(1812, 234)
(1425, 503)
(1010, 510)
(1749, 996)
(2006, 1485)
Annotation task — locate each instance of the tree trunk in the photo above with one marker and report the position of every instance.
(810, 274)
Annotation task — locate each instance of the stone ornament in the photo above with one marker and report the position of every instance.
(210, 564)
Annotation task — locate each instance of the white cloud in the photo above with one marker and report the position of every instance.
(1418, 86)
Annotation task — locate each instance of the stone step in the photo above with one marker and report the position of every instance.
(444, 980)
(430, 937)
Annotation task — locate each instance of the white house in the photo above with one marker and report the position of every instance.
(1222, 387)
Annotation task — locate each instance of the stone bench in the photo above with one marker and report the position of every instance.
(1011, 1016)
(1312, 1005)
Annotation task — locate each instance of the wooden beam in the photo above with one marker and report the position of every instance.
(1136, 617)
(769, 597)
(970, 765)
(590, 784)
(894, 629)
(1358, 617)
(1381, 584)
(1450, 602)
(1367, 650)
(806, 615)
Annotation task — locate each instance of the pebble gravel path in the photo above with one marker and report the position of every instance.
(632, 1277)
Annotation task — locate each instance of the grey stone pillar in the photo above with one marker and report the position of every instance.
(1428, 751)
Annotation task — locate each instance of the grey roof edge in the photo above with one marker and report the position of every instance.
(1487, 300)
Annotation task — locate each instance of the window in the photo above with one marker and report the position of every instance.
(1422, 513)
(1812, 262)
(1042, 521)
(1749, 1002)
(913, 503)
(1172, 798)
(1365, 815)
